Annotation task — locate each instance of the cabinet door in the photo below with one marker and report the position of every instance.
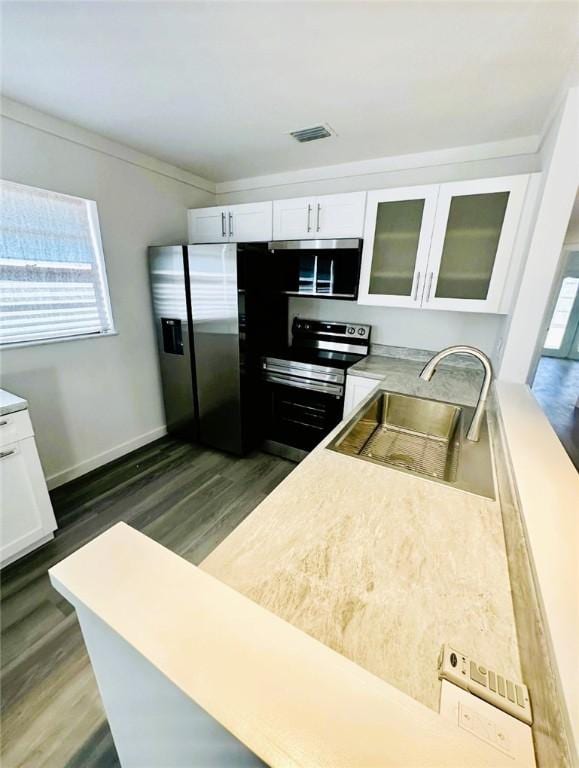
(26, 515)
(340, 215)
(207, 225)
(472, 243)
(294, 219)
(397, 234)
(250, 222)
(357, 387)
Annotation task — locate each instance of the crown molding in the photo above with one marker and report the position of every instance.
(525, 145)
(21, 113)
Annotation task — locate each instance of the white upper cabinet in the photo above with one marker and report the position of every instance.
(245, 223)
(293, 219)
(207, 225)
(340, 215)
(328, 216)
(444, 246)
(397, 240)
(472, 243)
(250, 222)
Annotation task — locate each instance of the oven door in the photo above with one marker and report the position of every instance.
(300, 412)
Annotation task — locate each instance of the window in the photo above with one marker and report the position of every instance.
(562, 314)
(53, 283)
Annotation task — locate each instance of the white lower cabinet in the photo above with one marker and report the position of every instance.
(26, 516)
(357, 387)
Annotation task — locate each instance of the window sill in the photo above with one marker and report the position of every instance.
(42, 342)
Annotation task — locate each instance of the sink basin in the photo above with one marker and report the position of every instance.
(420, 436)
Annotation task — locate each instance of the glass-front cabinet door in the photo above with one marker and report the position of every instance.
(472, 243)
(397, 235)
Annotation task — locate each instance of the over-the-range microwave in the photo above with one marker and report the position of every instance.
(318, 268)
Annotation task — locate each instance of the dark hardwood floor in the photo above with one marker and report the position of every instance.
(187, 498)
(556, 387)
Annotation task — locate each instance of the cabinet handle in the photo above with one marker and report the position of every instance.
(5, 454)
(4, 423)
(416, 287)
(318, 218)
(230, 225)
(309, 217)
(223, 232)
(430, 276)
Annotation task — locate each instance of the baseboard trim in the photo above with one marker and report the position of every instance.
(66, 475)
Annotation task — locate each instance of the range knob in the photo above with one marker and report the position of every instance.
(361, 331)
(351, 330)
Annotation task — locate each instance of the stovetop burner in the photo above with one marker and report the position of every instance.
(322, 357)
(321, 351)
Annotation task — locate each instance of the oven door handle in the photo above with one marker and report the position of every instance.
(315, 386)
(303, 371)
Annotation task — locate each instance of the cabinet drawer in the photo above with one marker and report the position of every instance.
(15, 426)
(26, 518)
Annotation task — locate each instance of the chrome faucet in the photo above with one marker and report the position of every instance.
(430, 367)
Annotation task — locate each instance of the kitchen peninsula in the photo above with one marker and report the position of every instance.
(376, 564)
(379, 565)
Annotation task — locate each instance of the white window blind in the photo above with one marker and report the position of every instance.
(52, 275)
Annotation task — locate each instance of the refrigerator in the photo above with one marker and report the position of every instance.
(216, 311)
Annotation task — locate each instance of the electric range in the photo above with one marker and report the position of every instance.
(304, 384)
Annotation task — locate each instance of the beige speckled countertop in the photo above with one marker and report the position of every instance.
(379, 565)
(458, 384)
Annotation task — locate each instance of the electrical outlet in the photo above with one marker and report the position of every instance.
(485, 729)
(483, 721)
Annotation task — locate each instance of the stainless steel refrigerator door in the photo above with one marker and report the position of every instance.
(167, 271)
(214, 304)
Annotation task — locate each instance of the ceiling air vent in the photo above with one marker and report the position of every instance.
(312, 134)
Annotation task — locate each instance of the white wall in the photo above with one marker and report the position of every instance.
(420, 329)
(94, 399)
(530, 318)
(572, 234)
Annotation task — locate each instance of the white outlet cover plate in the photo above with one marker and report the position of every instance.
(502, 731)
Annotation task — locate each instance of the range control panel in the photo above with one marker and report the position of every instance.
(359, 330)
(510, 696)
(343, 331)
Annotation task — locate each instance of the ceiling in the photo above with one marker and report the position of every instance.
(214, 87)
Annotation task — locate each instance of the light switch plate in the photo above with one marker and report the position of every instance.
(493, 726)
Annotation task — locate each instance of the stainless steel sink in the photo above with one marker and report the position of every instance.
(423, 437)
